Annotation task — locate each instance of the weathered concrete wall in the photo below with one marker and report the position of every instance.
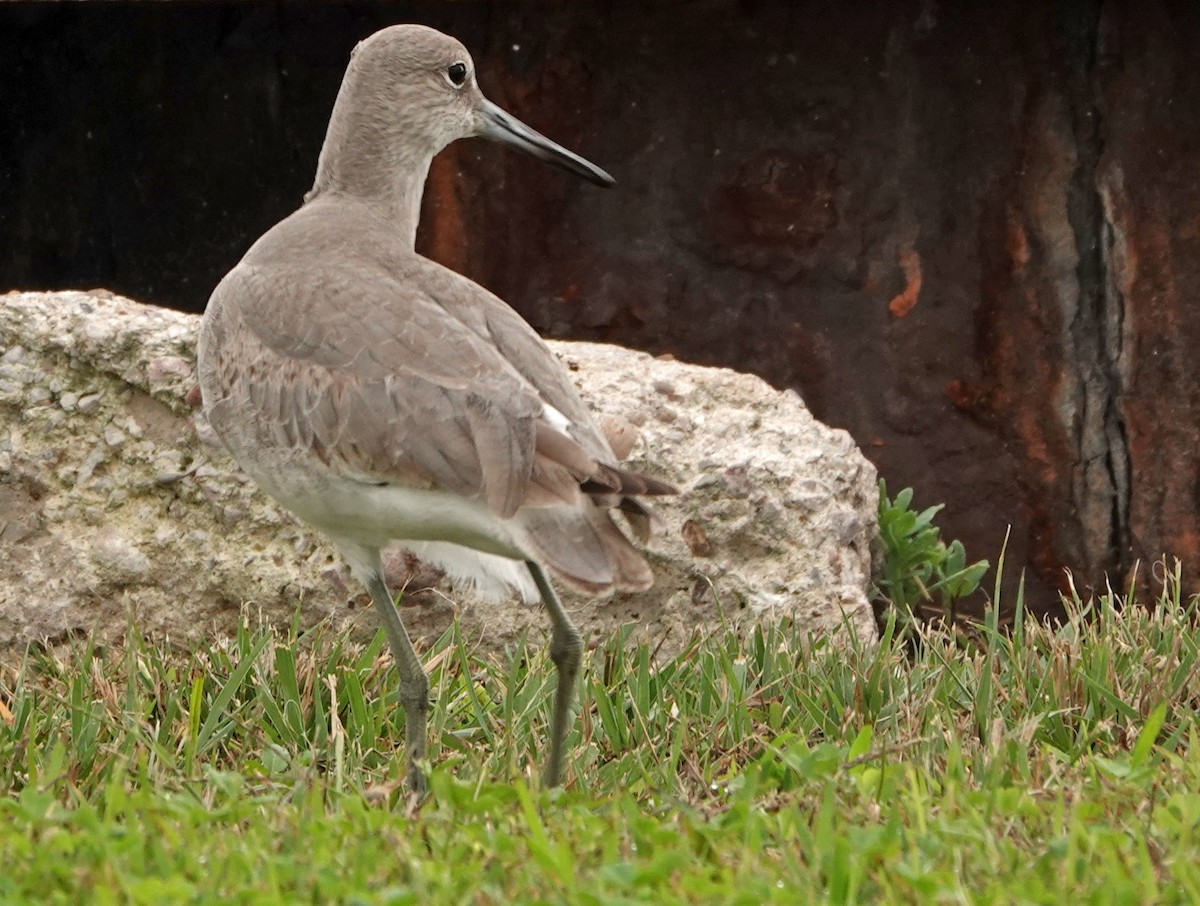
(967, 233)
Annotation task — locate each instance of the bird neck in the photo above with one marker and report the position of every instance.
(365, 156)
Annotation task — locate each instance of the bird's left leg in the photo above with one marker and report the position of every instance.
(414, 684)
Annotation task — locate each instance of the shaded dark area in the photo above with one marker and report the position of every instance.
(968, 234)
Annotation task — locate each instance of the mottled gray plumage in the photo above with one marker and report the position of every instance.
(385, 398)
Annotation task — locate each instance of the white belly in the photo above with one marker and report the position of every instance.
(462, 537)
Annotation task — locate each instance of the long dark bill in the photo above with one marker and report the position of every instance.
(503, 127)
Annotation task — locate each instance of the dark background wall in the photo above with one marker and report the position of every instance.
(968, 233)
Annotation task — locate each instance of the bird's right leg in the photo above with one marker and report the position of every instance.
(414, 684)
(566, 651)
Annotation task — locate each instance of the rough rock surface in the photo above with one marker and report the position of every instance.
(113, 507)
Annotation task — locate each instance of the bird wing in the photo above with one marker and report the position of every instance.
(521, 348)
(389, 379)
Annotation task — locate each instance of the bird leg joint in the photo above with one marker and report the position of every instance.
(566, 649)
(414, 694)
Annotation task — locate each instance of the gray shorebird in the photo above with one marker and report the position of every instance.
(384, 398)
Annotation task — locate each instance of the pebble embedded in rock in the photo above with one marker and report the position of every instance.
(89, 404)
(116, 555)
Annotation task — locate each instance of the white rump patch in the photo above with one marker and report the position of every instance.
(489, 576)
(556, 418)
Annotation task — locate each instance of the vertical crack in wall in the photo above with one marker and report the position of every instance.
(1114, 419)
(1100, 483)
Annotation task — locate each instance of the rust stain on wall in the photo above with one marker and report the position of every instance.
(902, 304)
(444, 236)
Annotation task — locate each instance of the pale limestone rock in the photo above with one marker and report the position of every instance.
(115, 503)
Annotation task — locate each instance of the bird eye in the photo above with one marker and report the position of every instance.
(457, 74)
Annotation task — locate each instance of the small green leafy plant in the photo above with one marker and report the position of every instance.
(921, 572)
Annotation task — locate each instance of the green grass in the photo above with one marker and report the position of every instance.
(1041, 766)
